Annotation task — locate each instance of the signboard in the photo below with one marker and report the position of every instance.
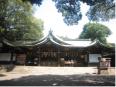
(93, 58)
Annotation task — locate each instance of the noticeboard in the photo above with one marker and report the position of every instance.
(93, 58)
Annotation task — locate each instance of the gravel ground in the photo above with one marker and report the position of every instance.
(55, 76)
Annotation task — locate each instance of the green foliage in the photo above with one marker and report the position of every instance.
(16, 21)
(70, 10)
(38, 2)
(35, 31)
(65, 38)
(100, 10)
(95, 31)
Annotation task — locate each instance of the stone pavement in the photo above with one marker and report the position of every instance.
(55, 76)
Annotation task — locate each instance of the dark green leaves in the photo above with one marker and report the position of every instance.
(100, 10)
(70, 10)
(95, 31)
(17, 21)
(38, 2)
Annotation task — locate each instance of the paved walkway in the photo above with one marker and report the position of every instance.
(49, 76)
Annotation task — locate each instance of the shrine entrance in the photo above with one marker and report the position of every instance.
(48, 55)
(52, 55)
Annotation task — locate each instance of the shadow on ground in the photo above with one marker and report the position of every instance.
(61, 80)
(7, 67)
(2, 75)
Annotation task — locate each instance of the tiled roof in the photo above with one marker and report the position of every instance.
(54, 40)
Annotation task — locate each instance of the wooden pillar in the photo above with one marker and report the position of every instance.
(11, 58)
(39, 58)
(12, 54)
(87, 58)
(58, 56)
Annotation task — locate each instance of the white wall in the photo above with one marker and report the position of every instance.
(93, 58)
(5, 56)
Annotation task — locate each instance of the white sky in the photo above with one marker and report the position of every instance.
(54, 21)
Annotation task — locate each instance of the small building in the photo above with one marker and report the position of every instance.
(53, 51)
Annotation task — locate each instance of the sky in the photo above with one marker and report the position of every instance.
(54, 21)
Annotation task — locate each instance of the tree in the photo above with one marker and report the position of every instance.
(70, 10)
(95, 31)
(99, 10)
(35, 31)
(65, 38)
(102, 11)
(38, 2)
(17, 22)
